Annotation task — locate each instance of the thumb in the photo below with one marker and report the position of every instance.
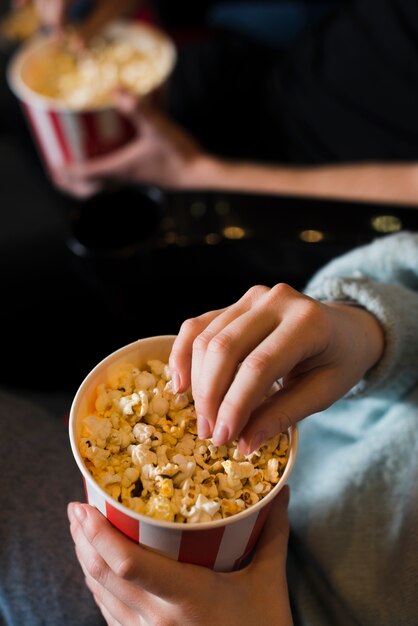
(272, 545)
(139, 111)
(126, 103)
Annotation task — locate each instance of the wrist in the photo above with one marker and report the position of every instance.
(367, 332)
(206, 171)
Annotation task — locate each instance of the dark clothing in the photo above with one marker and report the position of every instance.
(348, 92)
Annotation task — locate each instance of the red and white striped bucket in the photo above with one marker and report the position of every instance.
(64, 135)
(222, 544)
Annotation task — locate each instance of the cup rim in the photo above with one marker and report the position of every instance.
(38, 41)
(193, 526)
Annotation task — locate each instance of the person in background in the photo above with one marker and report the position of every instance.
(330, 113)
(347, 351)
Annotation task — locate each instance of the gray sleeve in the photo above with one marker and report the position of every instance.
(383, 278)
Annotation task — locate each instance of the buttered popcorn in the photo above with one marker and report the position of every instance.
(141, 446)
(89, 77)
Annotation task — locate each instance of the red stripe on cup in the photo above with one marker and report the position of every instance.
(104, 131)
(261, 518)
(124, 523)
(201, 546)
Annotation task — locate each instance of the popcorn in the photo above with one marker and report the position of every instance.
(89, 77)
(141, 446)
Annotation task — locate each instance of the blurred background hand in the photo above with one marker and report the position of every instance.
(162, 154)
(87, 16)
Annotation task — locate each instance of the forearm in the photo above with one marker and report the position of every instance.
(369, 182)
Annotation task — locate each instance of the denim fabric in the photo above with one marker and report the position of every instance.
(41, 582)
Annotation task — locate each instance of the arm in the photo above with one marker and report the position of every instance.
(165, 155)
(378, 182)
(383, 278)
(133, 585)
(322, 350)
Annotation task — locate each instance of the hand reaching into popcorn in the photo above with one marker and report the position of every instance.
(133, 585)
(89, 15)
(320, 350)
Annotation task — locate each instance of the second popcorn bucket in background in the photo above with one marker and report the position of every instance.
(221, 544)
(71, 131)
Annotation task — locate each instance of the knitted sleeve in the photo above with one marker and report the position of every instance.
(382, 277)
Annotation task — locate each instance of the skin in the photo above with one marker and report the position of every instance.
(132, 585)
(53, 14)
(164, 154)
(319, 350)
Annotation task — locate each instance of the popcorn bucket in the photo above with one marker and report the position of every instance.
(222, 544)
(66, 134)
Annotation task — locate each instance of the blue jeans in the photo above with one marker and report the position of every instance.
(41, 582)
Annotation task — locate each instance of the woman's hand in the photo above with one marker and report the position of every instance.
(161, 154)
(320, 350)
(133, 585)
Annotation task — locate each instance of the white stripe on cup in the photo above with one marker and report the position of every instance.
(45, 132)
(160, 539)
(73, 130)
(234, 542)
(95, 498)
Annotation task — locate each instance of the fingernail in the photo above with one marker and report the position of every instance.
(175, 381)
(258, 440)
(221, 434)
(79, 512)
(203, 427)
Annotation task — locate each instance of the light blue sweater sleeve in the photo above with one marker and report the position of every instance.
(383, 278)
(354, 498)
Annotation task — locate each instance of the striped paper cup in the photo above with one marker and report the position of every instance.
(222, 545)
(66, 135)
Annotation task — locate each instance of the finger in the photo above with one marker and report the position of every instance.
(127, 104)
(216, 354)
(156, 574)
(215, 358)
(246, 391)
(110, 620)
(181, 352)
(225, 351)
(81, 189)
(274, 358)
(305, 395)
(95, 568)
(110, 605)
(51, 13)
(118, 163)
